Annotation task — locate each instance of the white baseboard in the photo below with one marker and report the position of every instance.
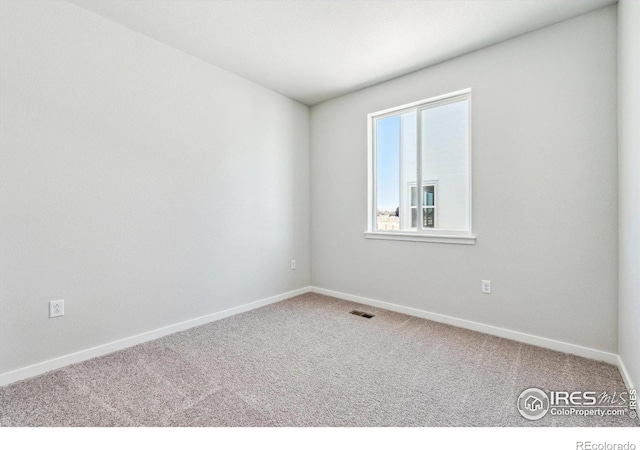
(625, 375)
(83, 355)
(552, 344)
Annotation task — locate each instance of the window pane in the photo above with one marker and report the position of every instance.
(428, 218)
(396, 155)
(445, 159)
(414, 196)
(414, 217)
(428, 196)
(388, 167)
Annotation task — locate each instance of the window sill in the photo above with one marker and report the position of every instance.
(440, 238)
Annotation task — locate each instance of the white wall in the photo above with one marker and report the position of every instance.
(142, 185)
(629, 166)
(544, 190)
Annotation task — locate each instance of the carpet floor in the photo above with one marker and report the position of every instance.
(308, 362)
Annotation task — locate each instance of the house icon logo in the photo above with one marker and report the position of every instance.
(533, 404)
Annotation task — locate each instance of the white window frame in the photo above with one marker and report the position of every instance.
(421, 234)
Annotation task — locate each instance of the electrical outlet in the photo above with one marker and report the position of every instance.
(56, 308)
(293, 264)
(486, 286)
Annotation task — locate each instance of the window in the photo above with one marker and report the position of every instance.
(420, 171)
(428, 205)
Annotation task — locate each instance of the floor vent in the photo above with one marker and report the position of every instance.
(355, 312)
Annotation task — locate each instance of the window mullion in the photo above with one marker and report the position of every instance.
(400, 175)
(419, 206)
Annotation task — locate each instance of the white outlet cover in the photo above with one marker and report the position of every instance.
(293, 264)
(56, 308)
(486, 286)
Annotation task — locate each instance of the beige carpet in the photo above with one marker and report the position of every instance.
(308, 362)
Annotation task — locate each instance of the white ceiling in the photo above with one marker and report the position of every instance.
(313, 50)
